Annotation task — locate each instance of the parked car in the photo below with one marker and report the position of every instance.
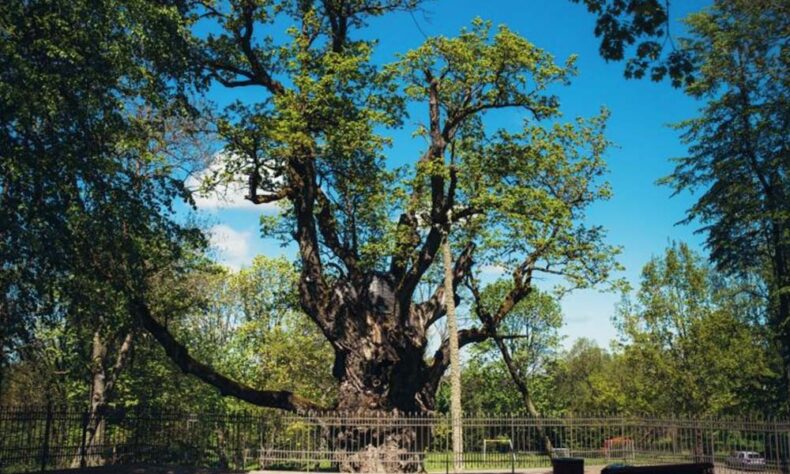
(746, 460)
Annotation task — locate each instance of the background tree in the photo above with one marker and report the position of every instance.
(588, 379)
(70, 84)
(525, 339)
(738, 146)
(690, 345)
(739, 154)
(528, 337)
(92, 106)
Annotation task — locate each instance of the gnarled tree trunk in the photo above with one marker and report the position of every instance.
(380, 443)
(382, 375)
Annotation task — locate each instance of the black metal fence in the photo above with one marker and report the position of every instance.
(45, 438)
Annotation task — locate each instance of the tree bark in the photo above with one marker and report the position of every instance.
(103, 380)
(3, 326)
(455, 359)
(379, 356)
(782, 321)
(782, 334)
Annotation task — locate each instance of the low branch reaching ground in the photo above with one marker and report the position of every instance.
(179, 354)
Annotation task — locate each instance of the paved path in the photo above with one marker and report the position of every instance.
(146, 469)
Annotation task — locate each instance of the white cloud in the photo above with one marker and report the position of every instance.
(233, 246)
(224, 196)
(493, 270)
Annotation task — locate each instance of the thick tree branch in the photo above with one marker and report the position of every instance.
(338, 16)
(438, 146)
(440, 203)
(452, 123)
(315, 297)
(327, 224)
(408, 239)
(217, 67)
(180, 356)
(257, 73)
(269, 197)
(245, 42)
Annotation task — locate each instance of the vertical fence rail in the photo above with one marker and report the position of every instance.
(53, 437)
(45, 440)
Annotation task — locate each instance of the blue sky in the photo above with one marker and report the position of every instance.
(641, 216)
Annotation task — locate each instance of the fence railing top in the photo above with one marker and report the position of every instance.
(361, 416)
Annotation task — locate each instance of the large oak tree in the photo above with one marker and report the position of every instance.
(313, 141)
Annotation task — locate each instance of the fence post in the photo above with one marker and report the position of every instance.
(446, 454)
(570, 443)
(786, 463)
(83, 442)
(45, 441)
(512, 432)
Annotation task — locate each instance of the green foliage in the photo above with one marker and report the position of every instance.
(88, 98)
(689, 343)
(535, 186)
(479, 71)
(639, 30)
(248, 325)
(692, 342)
(738, 158)
(588, 379)
(527, 190)
(335, 104)
(95, 135)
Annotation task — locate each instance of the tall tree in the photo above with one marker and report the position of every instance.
(365, 239)
(366, 235)
(71, 76)
(88, 96)
(739, 149)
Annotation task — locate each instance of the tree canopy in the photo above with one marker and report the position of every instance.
(105, 272)
(691, 342)
(367, 235)
(92, 101)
